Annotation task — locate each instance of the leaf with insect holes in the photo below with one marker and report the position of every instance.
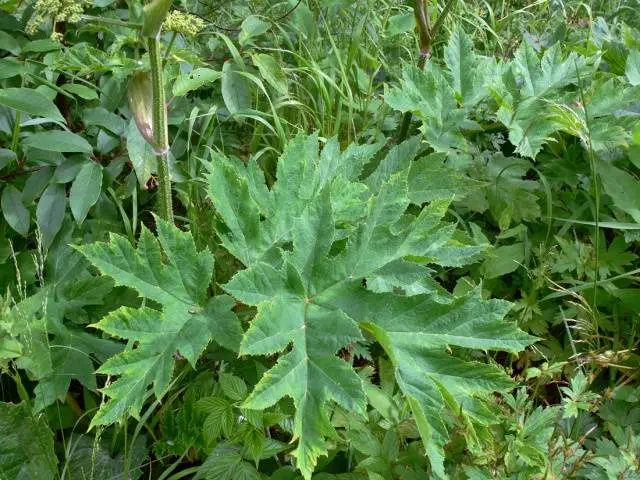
(311, 301)
(185, 324)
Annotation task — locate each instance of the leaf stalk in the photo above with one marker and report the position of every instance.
(426, 35)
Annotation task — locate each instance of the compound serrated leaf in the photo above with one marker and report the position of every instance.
(312, 299)
(184, 326)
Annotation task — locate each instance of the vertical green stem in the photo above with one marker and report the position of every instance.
(15, 134)
(160, 130)
(426, 35)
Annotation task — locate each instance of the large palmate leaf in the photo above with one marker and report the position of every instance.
(443, 98)
(242, 198)
(313, 298)
(607, 118)
(527, 90)
(186, 323)
(428, 95)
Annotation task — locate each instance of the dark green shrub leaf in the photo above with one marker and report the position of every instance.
(58, 141)
(50, 212)
(14, 211)
(30, 101)
(85, 190)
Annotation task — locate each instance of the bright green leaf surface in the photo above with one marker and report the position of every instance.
(184, 326)
(194, 80)
(316, 302)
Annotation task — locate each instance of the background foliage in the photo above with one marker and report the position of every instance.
(397, 253)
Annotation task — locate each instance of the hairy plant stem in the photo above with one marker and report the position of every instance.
(160, 130)
(426, 35)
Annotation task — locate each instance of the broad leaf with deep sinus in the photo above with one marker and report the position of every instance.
(185, 323)
(309, 284)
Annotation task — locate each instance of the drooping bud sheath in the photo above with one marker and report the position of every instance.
(140, 96)
(154, 15)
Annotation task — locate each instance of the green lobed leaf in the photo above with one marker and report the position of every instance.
(461, 60)
(242, 198)
(226, 463)
(428, 95)
(310, 303)
(52, 352)
(185, 325)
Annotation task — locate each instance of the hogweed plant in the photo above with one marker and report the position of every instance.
(459, 304)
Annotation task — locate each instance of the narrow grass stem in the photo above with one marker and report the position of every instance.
(15, 134)
(111, 21)
(167, 51)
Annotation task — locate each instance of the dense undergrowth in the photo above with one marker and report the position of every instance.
(359, 242)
